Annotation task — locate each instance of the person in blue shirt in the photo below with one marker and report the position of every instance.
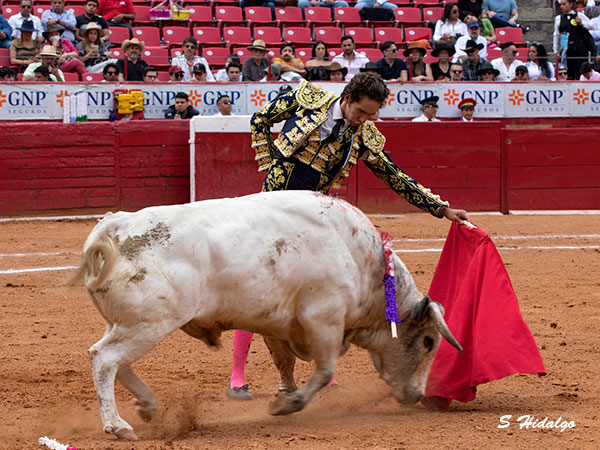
(61, 16)
(502, 13)
(5, 32)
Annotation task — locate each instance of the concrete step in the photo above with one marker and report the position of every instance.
(535, 13)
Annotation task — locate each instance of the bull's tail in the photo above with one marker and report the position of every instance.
(97, 263)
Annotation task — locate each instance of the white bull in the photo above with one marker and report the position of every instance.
(303, 269)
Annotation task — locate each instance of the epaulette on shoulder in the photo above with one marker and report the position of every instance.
(312, 96)
(372, 137)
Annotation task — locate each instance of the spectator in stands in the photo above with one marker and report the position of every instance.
(42, 74)
(473, 35)
(371, 67)
(273, 74)
(254, 68)
(68, 55)
(5, 32)
(64, 18)
(392, 68)
(111, 73)
(588, 73)
(267, 3)
(292, 68)
(507, 63)
(7, 74)
(449, 28)
(591, 9)
(573, 25)
(562, 74)
(595, 31)
(502, 13)
(25, 50)
(385, 4)
(467, 109)
(486, 28)
(538, 65)
(221, 74)
(189, 59)
(473, 63)
(150, 74)
(440, 70)
(135, 65)
(199, 72)
(521, 73)
(234, 73)
(487, 72)
(350, 58)
(16, 20)
(418, 70)
(337, 72)
(118, 13)
(430, 108)
(456, 72)
(471, 6)
(175, 74)
(320, 55)
(224, 105)
(181, 109)
(49, 58)
(89, 15)
(331, 4)
(92, 50)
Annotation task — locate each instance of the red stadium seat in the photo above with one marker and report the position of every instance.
(156, 56)
(297, 35)
(432, 15)
(428, 3)
(117, 35)
(175, 51)
(363, 37)
(10, 10)
(259, 16)
(208, 36)
(347, 16)
(71, 77)
(93, 77)
(229, 16)
(374, 54)
(237, 36)
(304, 53)
(117, 53)
(163, 77)
(175, 35)
(416, 33)
(388, 34)
(149, 35)
(509, 34)
(290, 16)
(274, 53)
(243, 54)
(201, 16)
(317, 17)
(215, 56)
(78, 10)
(142, 16)
(329, 35)
(408, 16)
(271, 35)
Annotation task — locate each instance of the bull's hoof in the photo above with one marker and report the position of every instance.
(285, 404)
(239, 394)
(126, 434)
(145, 409)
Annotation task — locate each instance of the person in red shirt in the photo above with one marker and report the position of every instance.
(118, 13)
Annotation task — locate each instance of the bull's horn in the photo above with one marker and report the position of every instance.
(438, 319)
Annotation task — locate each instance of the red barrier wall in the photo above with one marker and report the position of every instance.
(95, 167)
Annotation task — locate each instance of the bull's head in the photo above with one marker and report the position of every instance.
(404, 362)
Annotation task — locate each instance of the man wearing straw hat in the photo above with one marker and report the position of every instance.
(134, 71)
(50, 60)
(255, 68)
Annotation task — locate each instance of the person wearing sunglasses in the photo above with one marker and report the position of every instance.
(189, 59)
(111, 73)
(487, 72)
(507, 63)
(175, 74)
(430, 109)
(391, 68)
(449, 28)
(224, 105)
(181, 110)
(473, 63)
(563, 73)
(456, 72)
(15, 21)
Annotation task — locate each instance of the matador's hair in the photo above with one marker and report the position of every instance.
(366, 84)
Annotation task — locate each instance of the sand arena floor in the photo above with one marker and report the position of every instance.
(46, 386)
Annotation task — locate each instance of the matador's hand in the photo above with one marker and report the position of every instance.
(456, 215)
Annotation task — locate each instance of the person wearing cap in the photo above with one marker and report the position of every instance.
(507, 63)
(430, 108)
(521, 73)
(25, 50)
(49, 58)
(175, 74)
(61, 17)
(181, 110)
(487, 72)
(473, 35)
(473, 63)
(449, 27)
(190, 58)
(273, 74)
(5, 32)
(89, 15)
(133, 49)
(562, 74)
(350, 58)
(418, 70)
(255, 68)
(392, 68)
(323, 137)
(336, 72)
(16, 20)
(440, 69)
(199, 72)
(292, 68)
(68, 55)
(92, 50)
(467, 109)
(224, 105)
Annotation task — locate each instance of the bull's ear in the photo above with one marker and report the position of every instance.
(421, 310)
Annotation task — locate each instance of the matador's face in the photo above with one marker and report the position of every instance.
(359, 112)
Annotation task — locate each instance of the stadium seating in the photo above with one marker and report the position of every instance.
(271, 35)
(329, 35)
(259, 16)
(509, 34)
(215, 56)
(290, 16)
(363, 37)
(149, 35)
(416, 33)
(297, 35)
(432, 15)
(208, 36)
(388, 34)
(175, 35)
(93, 77)
(117, 35)
(142, 16)
(347, 17)
(374, 54)
(201, 16)
(317, 17)
(229, 16)
(237, 36)
(157, 56)
(408, 16)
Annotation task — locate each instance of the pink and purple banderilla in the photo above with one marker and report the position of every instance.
(389, 283)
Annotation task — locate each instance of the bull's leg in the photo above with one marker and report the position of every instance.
(145, 403)
(325, 343)
(120, 346)
(284, 360)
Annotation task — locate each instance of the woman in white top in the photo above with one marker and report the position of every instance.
(537, 64)
(449, 28)
(189, 59)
